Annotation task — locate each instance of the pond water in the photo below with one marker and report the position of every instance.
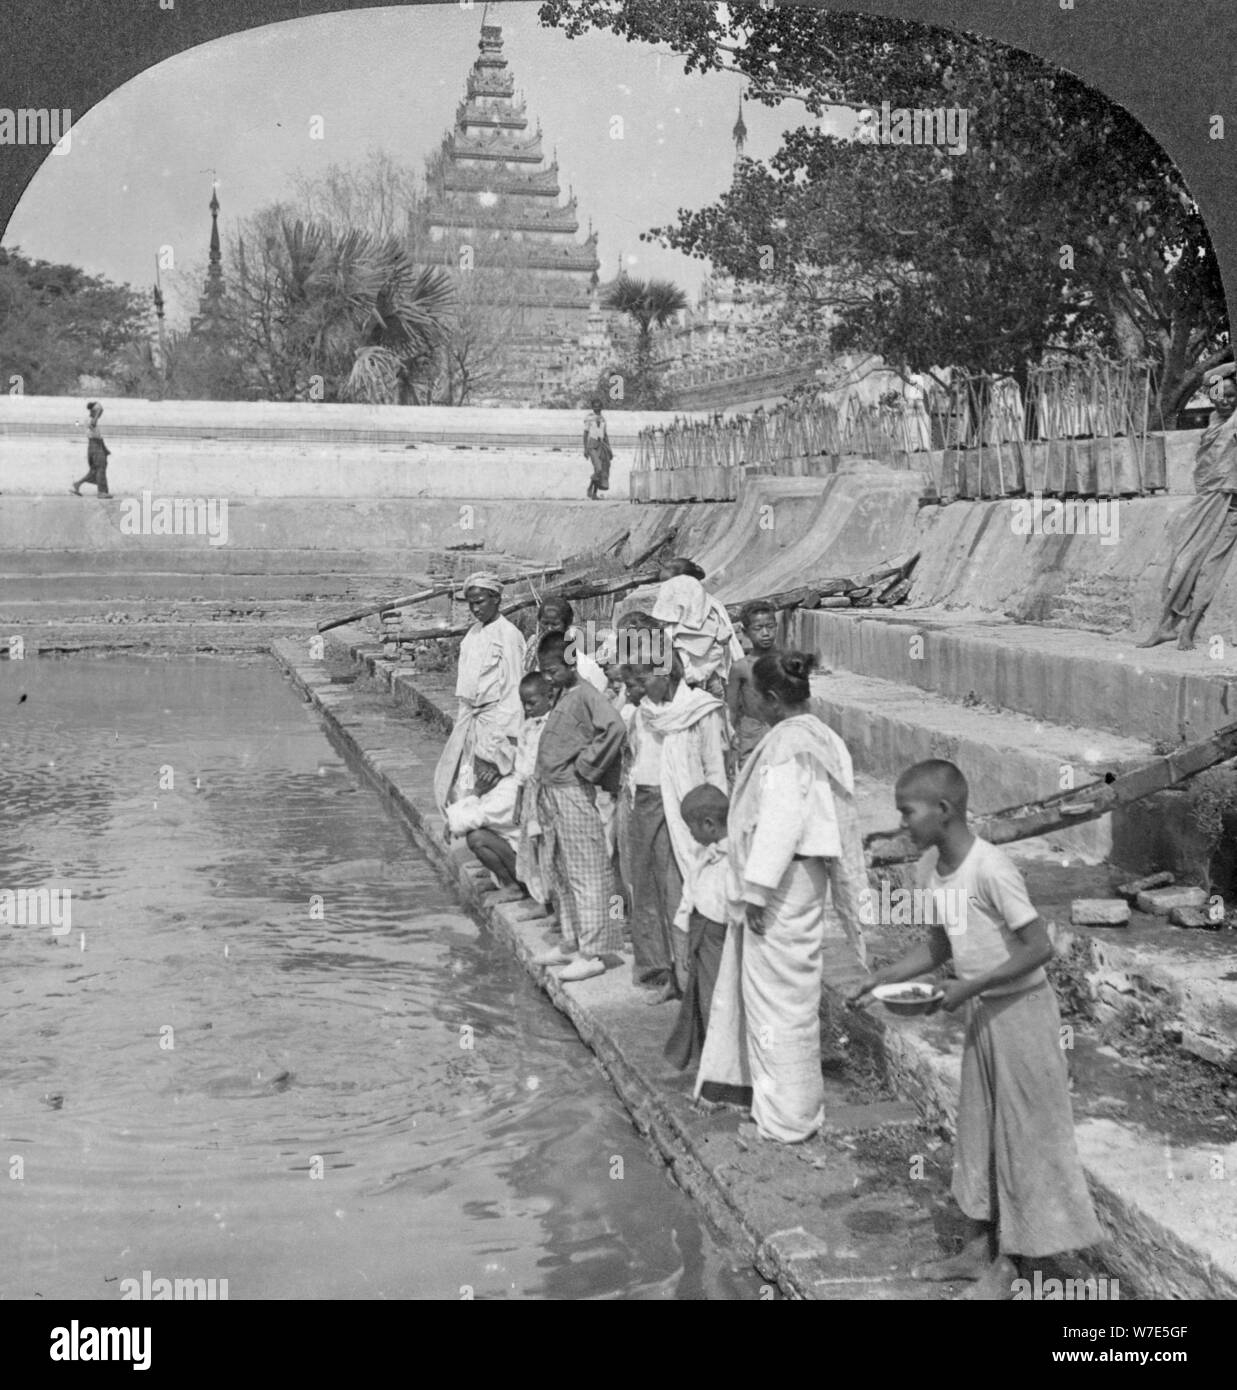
(270, 1046)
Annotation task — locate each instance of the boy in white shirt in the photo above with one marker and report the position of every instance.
(488, 822)
(702, 913)
(537, 698)
(1016, 1169)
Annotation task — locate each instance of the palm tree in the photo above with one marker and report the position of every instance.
(650, 304)
(348, 306)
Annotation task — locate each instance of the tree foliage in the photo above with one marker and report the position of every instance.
(1063, 227)
(650, 304)
(58, 324)
(340, 305)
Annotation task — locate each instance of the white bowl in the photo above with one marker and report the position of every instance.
(908, 998)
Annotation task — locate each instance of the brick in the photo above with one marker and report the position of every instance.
(1196, 917)
(1099, 912)
(1161, 901)
(1131, 890)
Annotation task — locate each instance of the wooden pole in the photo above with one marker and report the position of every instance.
(572, 590)
(409, 600)
(1078, 806)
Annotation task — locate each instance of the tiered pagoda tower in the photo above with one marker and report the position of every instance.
(496, 211)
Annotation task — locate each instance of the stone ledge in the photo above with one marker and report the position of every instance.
(1165, 1239)
(1043, 672)
(769, 1202)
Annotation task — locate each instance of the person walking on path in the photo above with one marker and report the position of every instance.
(793, 832)
(1204, 534)
(488, 718)
(96, 455)
(597, 450)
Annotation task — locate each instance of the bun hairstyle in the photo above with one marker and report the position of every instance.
(786, 675)
(683, 565)
(559, 605)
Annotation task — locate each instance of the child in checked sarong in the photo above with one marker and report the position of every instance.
(578, 753)
(1016, 1169)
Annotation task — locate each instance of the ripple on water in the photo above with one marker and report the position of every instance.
(285, 1056)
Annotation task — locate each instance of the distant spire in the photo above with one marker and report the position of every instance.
(739, 133)
(209, 306)
(216, 256)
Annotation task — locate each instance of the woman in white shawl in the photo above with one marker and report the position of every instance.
(487, 686)
(686, 725)
(793, 833)
(700, 628)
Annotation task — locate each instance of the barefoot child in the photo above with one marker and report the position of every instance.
(579, 749)
(743, 704)
(1016, 1169)
(703, 904)
(537, 697)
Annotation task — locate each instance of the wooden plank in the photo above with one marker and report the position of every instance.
(1078, 806)
(809, 595)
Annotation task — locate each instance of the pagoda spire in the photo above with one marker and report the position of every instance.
(211, 303)
(739, 134)
(216, 255)
(492, 173)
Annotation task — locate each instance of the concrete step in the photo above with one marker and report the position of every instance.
(1050, 674)
(1007, 758)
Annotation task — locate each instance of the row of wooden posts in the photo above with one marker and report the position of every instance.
(1081, 431)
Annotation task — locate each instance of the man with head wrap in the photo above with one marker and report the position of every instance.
(488, 716)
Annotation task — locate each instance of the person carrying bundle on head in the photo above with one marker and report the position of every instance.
(699, 626)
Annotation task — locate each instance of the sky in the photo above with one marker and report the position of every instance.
(139, 172)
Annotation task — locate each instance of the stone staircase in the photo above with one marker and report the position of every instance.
(994, 697)
(1154, 1006)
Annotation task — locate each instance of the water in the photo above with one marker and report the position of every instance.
(264, 982)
